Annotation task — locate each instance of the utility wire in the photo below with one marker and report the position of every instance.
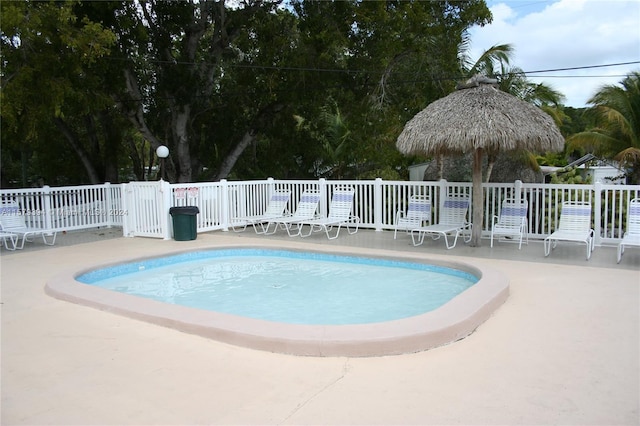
(345, 71)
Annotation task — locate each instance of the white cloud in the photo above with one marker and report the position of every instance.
(567, 34)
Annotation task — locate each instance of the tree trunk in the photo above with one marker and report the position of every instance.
(73, 140)
(180, 119)
(260, 122)
(477, 198)
(440, 166)
(112, 146)
(491, 161)
(136, 115)
(231, 159)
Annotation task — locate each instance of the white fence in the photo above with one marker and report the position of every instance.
(68, 208)
(142, 208)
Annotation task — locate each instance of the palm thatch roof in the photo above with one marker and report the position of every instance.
(479, 117)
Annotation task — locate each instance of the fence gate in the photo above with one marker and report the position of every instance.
(147, 206)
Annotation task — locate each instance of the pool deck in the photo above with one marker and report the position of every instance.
(563, 349)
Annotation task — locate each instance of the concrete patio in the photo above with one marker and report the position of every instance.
(564, 348)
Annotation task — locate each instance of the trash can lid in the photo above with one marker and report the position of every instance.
(184, 210)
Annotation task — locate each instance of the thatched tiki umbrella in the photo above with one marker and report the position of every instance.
(482, 118)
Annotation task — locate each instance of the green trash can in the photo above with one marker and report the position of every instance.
(185, 227)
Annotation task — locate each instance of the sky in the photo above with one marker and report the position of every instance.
(557, 34)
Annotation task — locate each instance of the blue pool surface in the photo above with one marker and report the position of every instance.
(288, 286)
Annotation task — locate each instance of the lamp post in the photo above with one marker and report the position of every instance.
(162, 152)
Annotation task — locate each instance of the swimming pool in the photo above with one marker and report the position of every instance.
(457, 318)
(288, 286)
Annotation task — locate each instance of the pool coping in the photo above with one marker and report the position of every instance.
(453, 321)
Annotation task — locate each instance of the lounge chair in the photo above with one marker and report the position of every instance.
(632, 236)
(574, 225)
(339, 214)
(452, 221)
(12, 221)
(276, 208)
(306, 210)
(418, 214)
(8, 237)
(511, 223)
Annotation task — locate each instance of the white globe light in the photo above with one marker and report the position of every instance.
(162, 151)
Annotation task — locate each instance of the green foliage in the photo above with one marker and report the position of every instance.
(570, 176)
(52, 76)
(203, 78)
(616, 130)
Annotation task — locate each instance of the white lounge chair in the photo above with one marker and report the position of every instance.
(12, 221)
(452, 221)
(8, 237)
(574, 225)
(339, 214)
(632, 235)
(511, 223)
(276, 208)
(306, 210)
(418, 214)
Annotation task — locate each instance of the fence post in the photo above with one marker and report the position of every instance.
(225, 206)
(597, 213)
(377, 204)
(322, 187)
(46, 201)
(518, 190)
(442, 193)
(165, 204)
(108, 205)
(124, 202)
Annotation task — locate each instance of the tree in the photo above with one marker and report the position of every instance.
(616, 111)
(40, 101)
(495, 63)
(336, 139)
(220, 82)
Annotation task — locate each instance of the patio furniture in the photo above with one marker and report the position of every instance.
(418, 214)
(276, 208)
(452, 221)
(12, 221)
(306, 210)
(632, 235)
(511, 224)
(574, 226)
(339, 214)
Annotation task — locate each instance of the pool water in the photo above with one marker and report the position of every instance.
(288, 286)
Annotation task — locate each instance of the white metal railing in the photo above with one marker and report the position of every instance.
(142, 208)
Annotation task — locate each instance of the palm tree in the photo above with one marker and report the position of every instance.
(617, 133)
(494, 63)
(332, 131)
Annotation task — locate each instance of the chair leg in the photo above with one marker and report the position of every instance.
(421, 236)
(24, 239)
(355, 229)
(53, 239)
(13, 239)
(620, 251)
(266, 229)
(455, 240)
(547, 247)
(468, 228)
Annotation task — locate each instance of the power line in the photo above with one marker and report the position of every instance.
(346, 71)
(583, 67)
